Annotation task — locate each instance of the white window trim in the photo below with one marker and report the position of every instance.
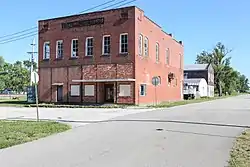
(103, 44)
(122, 94)
(140, 44)
(72, 47)
(57, 47)
(91, 93)
(120, 44)
(145, 92)
(86, 46)
(78, 93)
(157, 52)
(144, 51)
(44, 54)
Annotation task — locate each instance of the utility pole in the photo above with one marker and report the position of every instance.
(35, 76)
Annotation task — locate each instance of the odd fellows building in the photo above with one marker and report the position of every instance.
(108, 57)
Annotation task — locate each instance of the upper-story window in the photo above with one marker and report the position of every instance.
(140, 44)
(46, 50)
(167, 56)
(106, 45)
(59, 49)
(89, 50)
(180, 61)
(146, 46)
(157, 58)
(74, 48)
(124, 43)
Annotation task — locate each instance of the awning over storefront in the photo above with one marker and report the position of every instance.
(106, 80)
(57, 84)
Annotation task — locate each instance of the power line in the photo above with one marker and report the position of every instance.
(18, 32)
(8, 40)
(117, 3)
(18, 36)
(124, 4)
(105, 3)
(37, 27)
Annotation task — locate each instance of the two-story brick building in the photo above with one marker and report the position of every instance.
(108, 56)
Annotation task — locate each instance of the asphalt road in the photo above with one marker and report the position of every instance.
(142, 140)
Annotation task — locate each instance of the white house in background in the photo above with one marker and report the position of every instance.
(205, 71)
(195, 88)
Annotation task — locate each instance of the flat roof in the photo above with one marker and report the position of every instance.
(87, 13)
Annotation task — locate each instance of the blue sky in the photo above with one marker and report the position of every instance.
(199, 24)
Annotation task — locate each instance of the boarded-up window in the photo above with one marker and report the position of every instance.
(89, 90)
(124, 90)
(74, 90)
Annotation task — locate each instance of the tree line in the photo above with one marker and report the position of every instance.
(227, 79)
(15, 76)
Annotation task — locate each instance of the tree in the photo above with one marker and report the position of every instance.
(27, 64)
(227, 79)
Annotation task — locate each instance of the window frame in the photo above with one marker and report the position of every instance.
(124, 95)
(167, 56)
(72, 48)
(89, 95)
(157, 52)
(44, 51)
(87, 47)
(57, 49)
(145, 89)
(120, 44)
(75, 95)
(140, 43)
(146, 47)
(103, 45)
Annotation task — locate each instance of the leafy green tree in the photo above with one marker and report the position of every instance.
(227, 79)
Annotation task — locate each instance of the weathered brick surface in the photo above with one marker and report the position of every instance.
(74, 73)
(89, 99)
(113, 25)
(89, 72)
(44, 87)
(106, 71)
(125, 71)
(126, 100)
(115, 65)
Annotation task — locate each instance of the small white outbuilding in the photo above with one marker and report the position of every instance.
(195, 88)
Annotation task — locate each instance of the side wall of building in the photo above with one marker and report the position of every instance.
(146, 67)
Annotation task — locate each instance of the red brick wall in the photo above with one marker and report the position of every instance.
(126, 100)
(44, 87)
(107, 71)
(74, 73)
(89, 99)
(146, 67)
(113, 25)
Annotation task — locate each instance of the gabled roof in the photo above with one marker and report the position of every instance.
(195, 67)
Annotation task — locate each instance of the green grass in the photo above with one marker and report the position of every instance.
(240, 154)
(184, 102)
(18, 132)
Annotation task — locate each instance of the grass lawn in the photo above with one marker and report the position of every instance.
(18, 132)
(183, 102)
(240, 155)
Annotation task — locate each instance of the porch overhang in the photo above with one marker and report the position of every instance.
(106, 80)
(57, 84)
